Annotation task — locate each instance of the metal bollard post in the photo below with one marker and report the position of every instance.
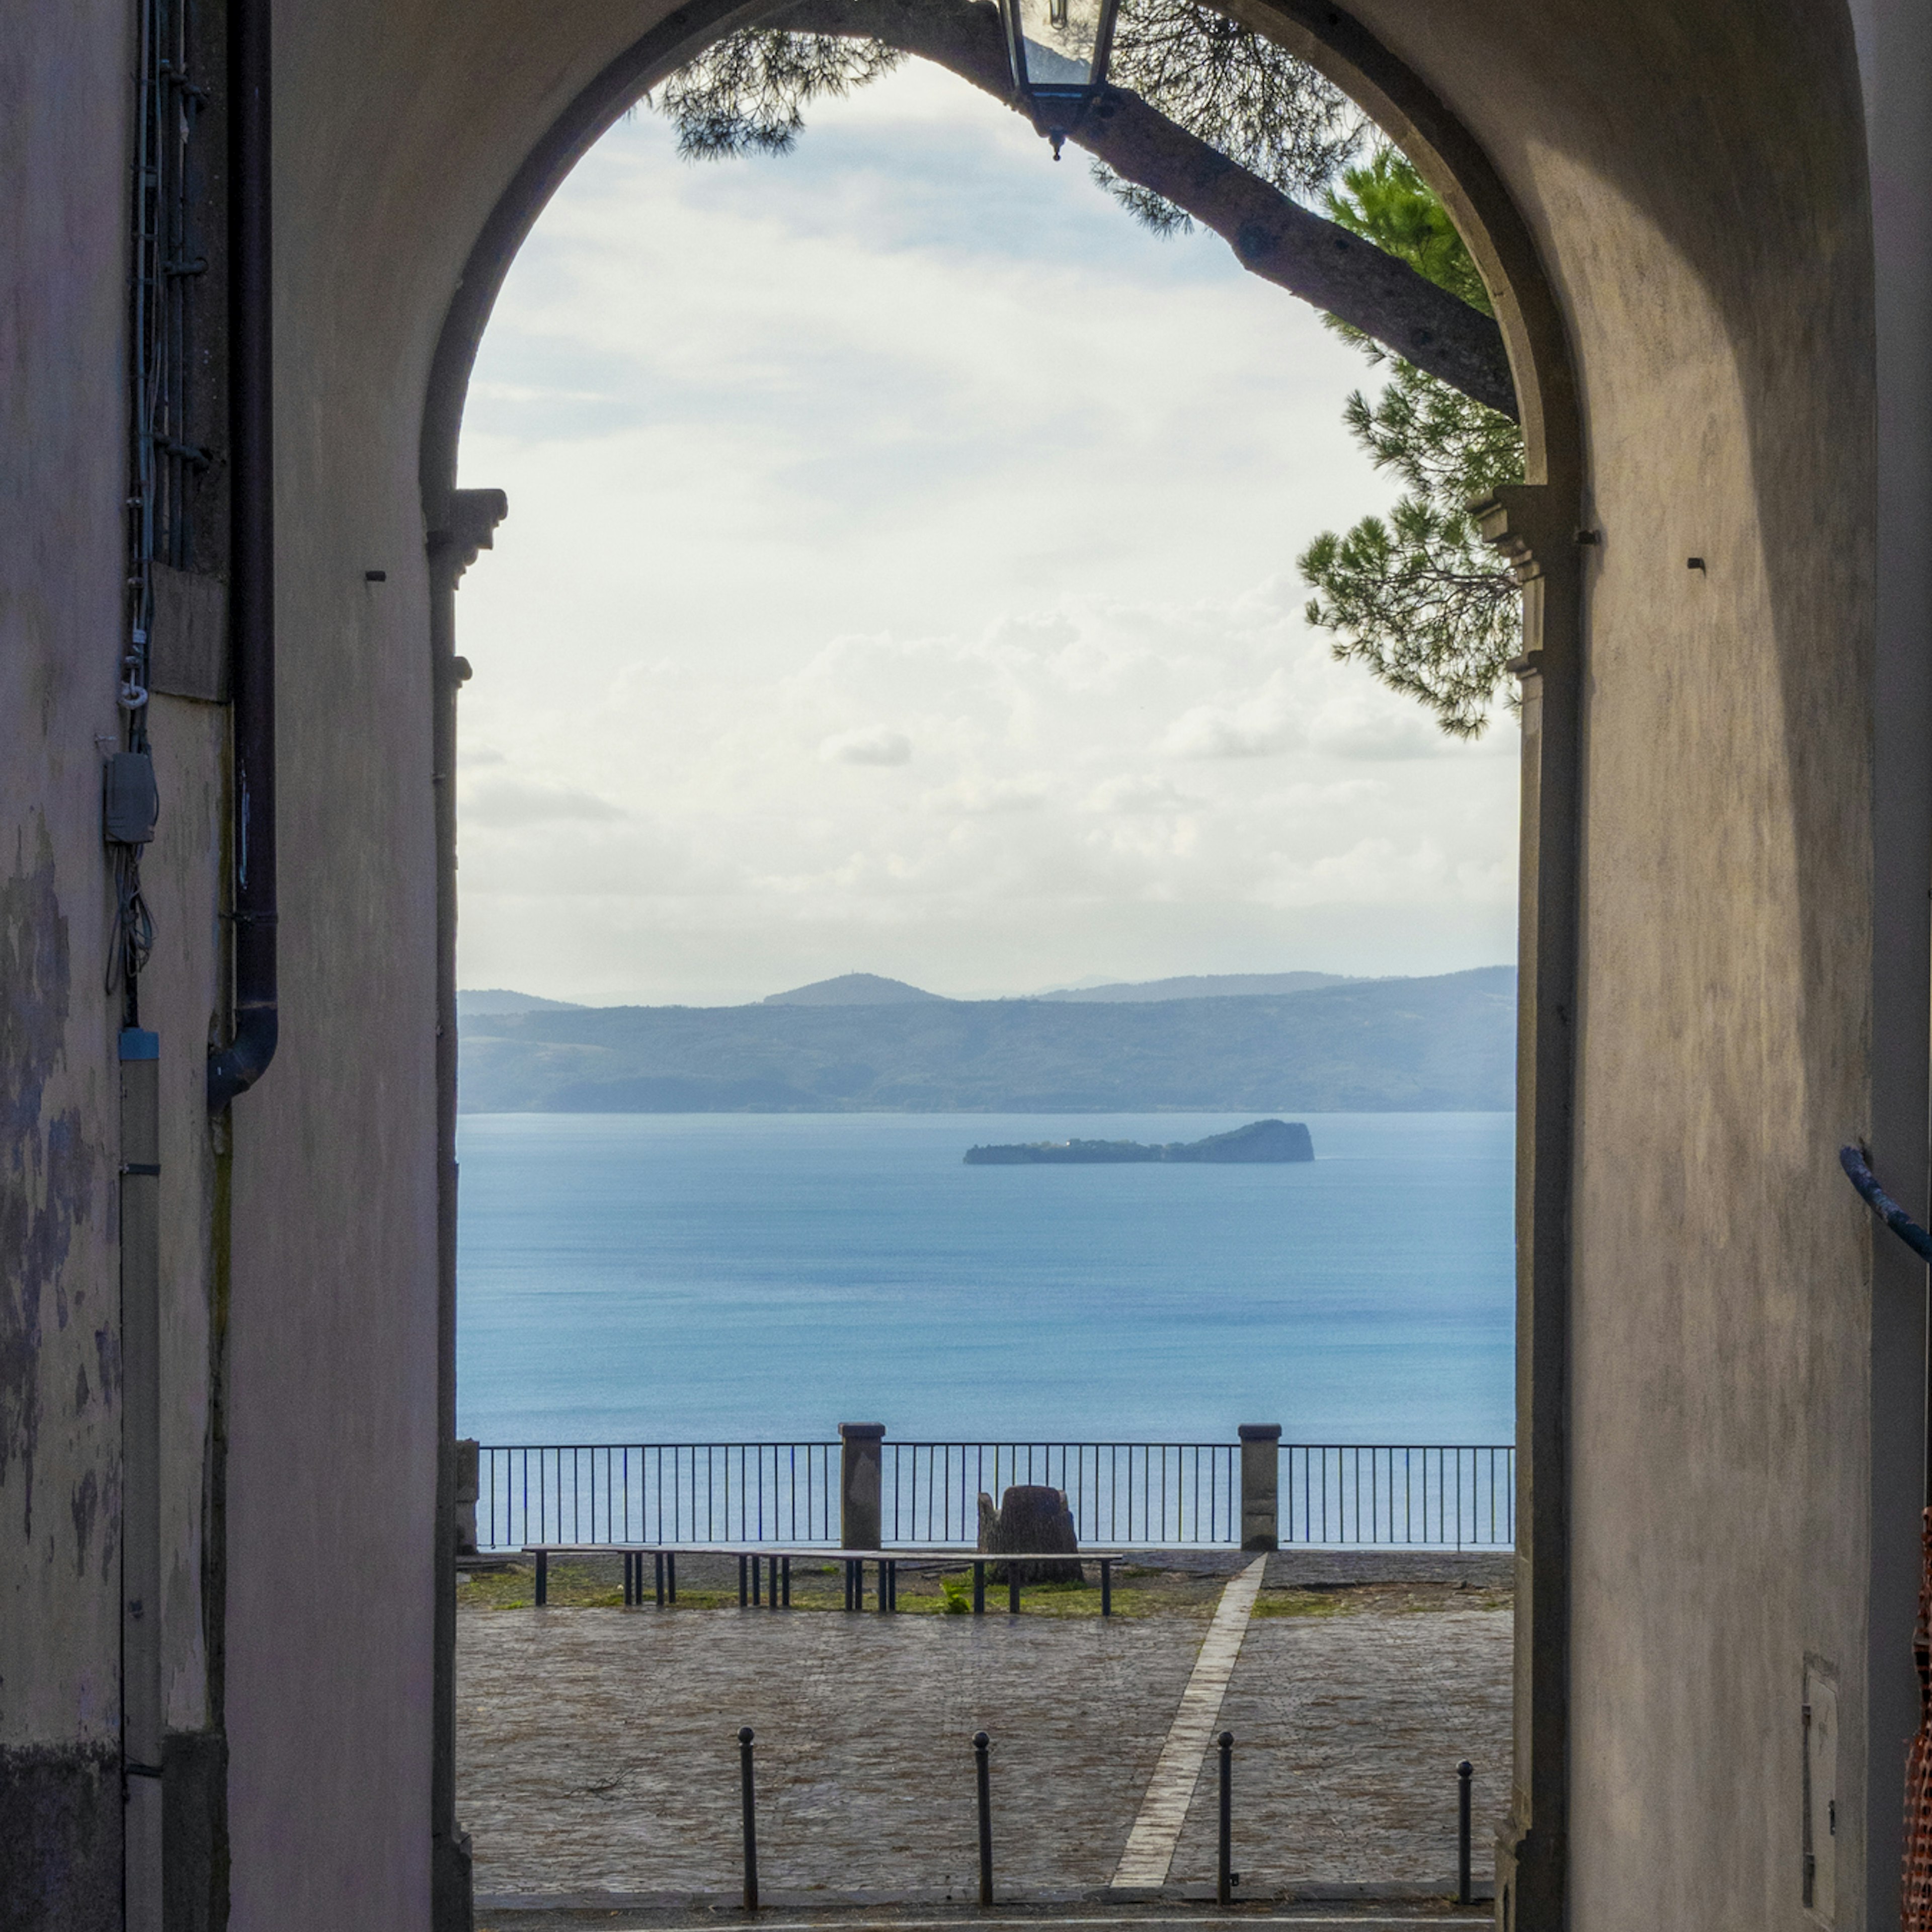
(1224, 1872)
(543, 1578)
(751, 1820)
(1465, 1771)
(741, 1583)
(657, 1573)
(983, 1777)
(786, 1561)
(979, 1589)
(1013, 1589)
(670, 1577)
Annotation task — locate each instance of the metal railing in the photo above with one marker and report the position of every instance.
(1135, 1495)
(656, 1492)
(1460, 1497)
(1149, 1493)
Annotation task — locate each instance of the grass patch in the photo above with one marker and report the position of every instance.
(596, 1582)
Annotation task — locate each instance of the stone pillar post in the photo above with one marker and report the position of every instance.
(860, 1519)
(1260, 1485)
(468, 1488)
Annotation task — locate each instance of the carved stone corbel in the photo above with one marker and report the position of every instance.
(470, 528)
(1523, 523)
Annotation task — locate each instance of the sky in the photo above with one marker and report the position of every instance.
(899, 577)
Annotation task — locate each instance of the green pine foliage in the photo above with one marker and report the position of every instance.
(1420, 599)
(747, 94)
(1235, 89)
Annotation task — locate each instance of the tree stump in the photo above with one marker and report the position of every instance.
(1033, 1518)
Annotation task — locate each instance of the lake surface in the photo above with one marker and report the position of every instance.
(721, 1277)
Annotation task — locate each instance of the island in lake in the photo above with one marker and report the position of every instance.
(1258, 1140)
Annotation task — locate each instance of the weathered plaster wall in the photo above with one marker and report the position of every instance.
(61, 416)
(181, 994)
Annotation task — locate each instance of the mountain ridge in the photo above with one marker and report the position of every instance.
(1442, 1043)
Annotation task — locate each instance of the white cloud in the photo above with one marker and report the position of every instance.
(915, 430)
(1259, 727)
(506, 802)
(874, 744)
(1139, 792)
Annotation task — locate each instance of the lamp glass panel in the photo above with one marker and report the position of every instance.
(1059, 39)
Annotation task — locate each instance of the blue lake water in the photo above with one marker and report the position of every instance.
(677, 1278)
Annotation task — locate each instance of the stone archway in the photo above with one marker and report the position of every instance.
(1720, 212)
(1537, 523)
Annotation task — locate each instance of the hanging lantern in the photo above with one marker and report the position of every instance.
(1059, 50)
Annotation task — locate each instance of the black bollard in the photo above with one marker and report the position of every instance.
(1224, 1872)
(1464, 1772)
(751, 1820)
(983, 1777)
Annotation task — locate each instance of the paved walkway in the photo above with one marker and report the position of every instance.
(1148, 1854)
(598, 1759)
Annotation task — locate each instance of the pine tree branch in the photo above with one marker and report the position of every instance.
(1272, 237)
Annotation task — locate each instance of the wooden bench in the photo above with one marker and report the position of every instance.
(773, 1589)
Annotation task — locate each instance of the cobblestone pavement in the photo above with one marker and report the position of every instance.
(598, 1756)
(1348, 1730)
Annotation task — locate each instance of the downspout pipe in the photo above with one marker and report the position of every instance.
(251, 594)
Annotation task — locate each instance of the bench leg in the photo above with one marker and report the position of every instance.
(1106, 1588)
(543, 1578)
(784, 1568)
(1013, 1589)
(657, 1564)
(741, 1583)
(627, 1579)
(758, 1602)
(979, 1589)
(670, 1573)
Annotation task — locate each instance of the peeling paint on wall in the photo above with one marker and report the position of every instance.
(47, 1190)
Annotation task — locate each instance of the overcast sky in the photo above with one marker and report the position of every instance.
(899, 577)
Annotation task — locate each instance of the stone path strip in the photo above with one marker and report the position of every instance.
(1157, 1826)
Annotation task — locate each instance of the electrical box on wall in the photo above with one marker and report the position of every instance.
(129, 803)
(1821, 1791)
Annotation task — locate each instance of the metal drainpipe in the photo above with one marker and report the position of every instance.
(251, 595)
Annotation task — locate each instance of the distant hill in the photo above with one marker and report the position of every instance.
(1363, 1045)
(853, 989)
(1201, 986)
(478, 1002)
